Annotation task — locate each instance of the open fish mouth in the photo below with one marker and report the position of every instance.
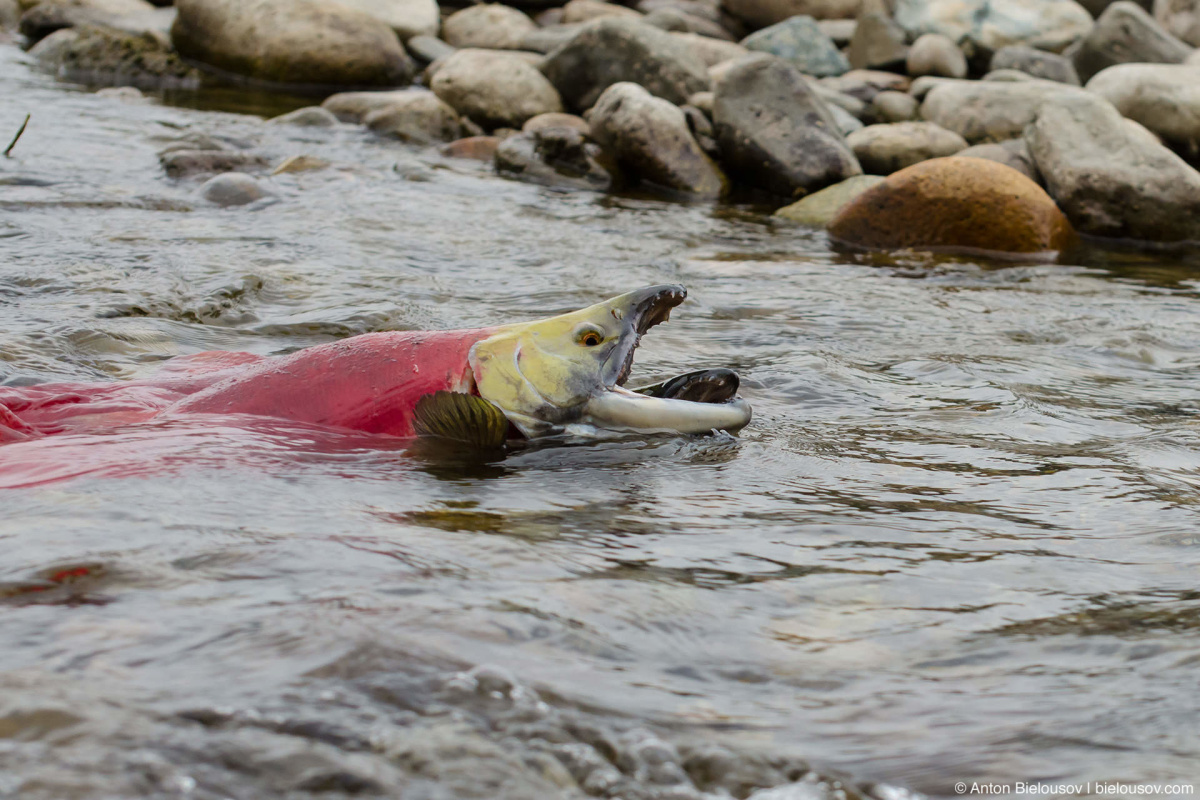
(695, 402)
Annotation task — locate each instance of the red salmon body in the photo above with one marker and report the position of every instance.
(369, 383)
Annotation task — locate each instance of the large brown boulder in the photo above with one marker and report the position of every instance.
(308, 42)
(955, 204)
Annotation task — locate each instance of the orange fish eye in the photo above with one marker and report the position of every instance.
(590, 338)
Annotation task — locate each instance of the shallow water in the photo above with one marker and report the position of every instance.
(959, 541)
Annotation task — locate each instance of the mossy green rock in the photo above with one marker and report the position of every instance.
(819, 208)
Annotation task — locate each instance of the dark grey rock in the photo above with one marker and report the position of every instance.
(184, 163)
(556, 157)
(775, 132)
(651, 139)
(615, 49)
(1123, 34)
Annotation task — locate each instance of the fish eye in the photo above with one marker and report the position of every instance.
(589, 338)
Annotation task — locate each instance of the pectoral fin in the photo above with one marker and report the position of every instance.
(464, 418)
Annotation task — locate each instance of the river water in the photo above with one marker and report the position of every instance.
(958, 542)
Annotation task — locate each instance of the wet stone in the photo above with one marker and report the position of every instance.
(555, 157)
(310, 117)
(184, 163)
(233, 189)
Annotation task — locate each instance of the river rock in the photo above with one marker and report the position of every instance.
(355, 106)
(406, 17)
(233, 189)
(1038, 63)
(801, 42)
(955, 204)
(494, 88)
(428, 49)
(935, 54)
(105, 56)
(841, 31)
(670, 19)
(586, 10)
(555, 157)
(774, 132)
(878, 43)
(291, 41)
(416, 115)
(884, 149)
(1111, 179)
(1009, 75)
(492, 26)
(984, 26)
(613, 50)
(990, 110)
(476, 148)
(864, 84)
(650, 139)
(45, 18)
(761, 13)
(1181, 18)
(708, 50)
(893, 107)
(819, 208)
(1012, 153)
(1123, 34)
(1163, 97)
(550, 38)
(557, 120)
(300, 163)
(186, 163)
(308, 117)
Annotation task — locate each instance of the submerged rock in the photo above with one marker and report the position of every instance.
(982, 111)
(819, 209)
(492, 25)
(955, 204)
(95, 55)
(775, 133)
(310, 117)
(300, 163)
(233, 189)
(1123, 34)
(1111, 178)
(614, 50)
(183, 163)
(1163, 97)
(355, 106)
(555, 157)
(493, 88)
(477, 148)
(416, 115)
(884, 149)
(309, 42)
(799, 41)
(651, 140)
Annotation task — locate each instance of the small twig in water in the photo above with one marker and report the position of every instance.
(13, 143)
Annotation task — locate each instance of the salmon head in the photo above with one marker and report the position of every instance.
(568, 373)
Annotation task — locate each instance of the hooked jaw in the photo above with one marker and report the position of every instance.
(618, 408)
